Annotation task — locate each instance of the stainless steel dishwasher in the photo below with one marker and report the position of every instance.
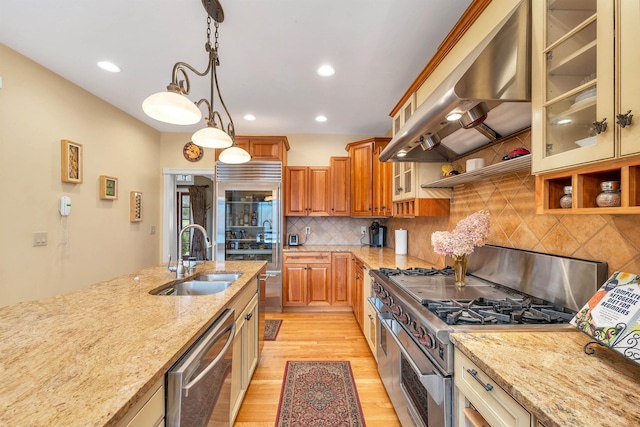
(199, 384)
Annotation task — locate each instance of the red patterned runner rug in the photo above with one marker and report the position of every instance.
(319, 394)
(271, 329)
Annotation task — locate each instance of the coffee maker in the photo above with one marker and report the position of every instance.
(377, 235)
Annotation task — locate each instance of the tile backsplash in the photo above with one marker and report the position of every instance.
(510, 199)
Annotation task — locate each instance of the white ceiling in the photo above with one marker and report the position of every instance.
(269, 51)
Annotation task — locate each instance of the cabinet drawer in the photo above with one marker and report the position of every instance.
(152, 413)
(307, 257)
(496, 406)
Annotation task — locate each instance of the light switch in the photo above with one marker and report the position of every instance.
(40, 239)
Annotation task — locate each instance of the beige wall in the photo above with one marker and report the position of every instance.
(37, 109)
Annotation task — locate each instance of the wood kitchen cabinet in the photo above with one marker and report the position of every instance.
(584, 77)
(263, 148)
(245, 345)
(306, 279)
(357, 291)
(363, 177)
(306, 191)
(479, 399)
(382, 185)
(340, 289)
(340, 186)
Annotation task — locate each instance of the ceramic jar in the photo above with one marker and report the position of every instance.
(566, 200)
(610, 196)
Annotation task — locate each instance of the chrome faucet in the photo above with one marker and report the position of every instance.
(179, 268)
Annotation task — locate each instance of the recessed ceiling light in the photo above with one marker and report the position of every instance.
(109, 66)
(321, 119)
(326, 71)
(249, 117)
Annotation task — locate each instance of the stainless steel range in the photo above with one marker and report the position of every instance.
(505, 288)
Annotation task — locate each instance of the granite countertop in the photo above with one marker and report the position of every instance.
(374, 258)
(86, 357)
(550, 376)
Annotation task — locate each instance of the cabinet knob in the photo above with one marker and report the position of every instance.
(248, 316)
(399, 189)
(624, 120)
(600, 126)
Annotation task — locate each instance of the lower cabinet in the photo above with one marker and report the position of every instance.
(149, 411)
(370, 326)
(340, 289)
(306, 279)
(479, 401)
(357, 283)
(245, 346)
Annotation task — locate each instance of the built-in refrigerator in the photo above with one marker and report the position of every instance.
(249, 220)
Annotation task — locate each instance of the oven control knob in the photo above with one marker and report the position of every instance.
(411, 325)
(418, 332)
(427, 340)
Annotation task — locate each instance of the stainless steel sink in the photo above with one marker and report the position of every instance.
(195, 287)
(214, 277)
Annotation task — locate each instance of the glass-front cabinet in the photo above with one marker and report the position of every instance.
(584, 84)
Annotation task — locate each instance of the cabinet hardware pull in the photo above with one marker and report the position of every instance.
(248, 316)
(474, 374)
(600, 126)
(624, 120)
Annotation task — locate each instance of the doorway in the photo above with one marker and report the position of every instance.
(176, 207)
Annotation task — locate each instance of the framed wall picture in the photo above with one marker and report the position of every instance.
(135, 209)
(71, 160)
(108, 187)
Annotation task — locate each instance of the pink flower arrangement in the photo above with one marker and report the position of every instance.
(470, 232)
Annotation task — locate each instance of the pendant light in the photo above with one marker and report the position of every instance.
(174, 107)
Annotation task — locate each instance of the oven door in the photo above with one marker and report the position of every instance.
(420, 394)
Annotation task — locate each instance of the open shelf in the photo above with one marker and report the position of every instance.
(586, 187)
(507, 166)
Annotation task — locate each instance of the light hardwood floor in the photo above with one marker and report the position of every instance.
(315, 336)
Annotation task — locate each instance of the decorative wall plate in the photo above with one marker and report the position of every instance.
(192, 152)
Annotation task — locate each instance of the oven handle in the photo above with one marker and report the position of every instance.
(433, 382)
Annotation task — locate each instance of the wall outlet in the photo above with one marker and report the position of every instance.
(307, 230)
(40, 239)
(363, 230)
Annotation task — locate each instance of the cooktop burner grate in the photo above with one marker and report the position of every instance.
(417, 271)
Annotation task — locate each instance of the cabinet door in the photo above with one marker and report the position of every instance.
(340, 186)
(358, 283)
(295, 191)
(340, 292)
(318, 191)
(572, 83)
(628, 19)
(267, 149)
(370, 331)
(250, 341)
(386, 202)
(319, 284)
(294, 284)
(361, 179)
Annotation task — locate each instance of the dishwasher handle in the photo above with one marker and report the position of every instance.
(231, 327)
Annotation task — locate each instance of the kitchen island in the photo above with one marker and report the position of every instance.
(85, 358)
(549, 374)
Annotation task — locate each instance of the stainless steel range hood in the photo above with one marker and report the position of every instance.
(490, 88)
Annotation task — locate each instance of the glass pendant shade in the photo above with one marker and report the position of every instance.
(171, 107)
(211, 137)
(234, 155)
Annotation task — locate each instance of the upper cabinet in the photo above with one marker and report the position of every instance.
(306, 191)
(263, 148)
(340, 186)
(583, 86)
(363, 156)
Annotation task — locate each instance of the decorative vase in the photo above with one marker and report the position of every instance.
(460, 268)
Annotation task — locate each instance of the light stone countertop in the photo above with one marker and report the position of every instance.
(551, 377)
(86, 357)
(374, 258)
